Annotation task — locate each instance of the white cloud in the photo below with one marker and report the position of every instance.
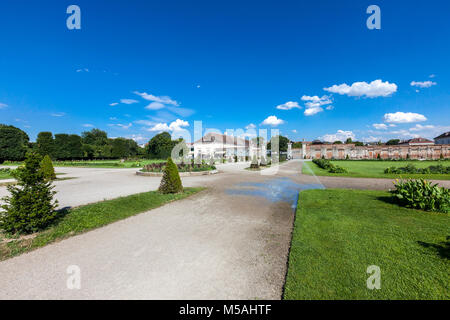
(160, 99)
(432, 76)
(83, 70)
(58, 114)
(371, 139)
(113, 104)
(176, 125)
(272, 121)
(3, 105)
(315, 100)
(310, 111)
(155, 106)
(294, 131)
(250, 126)
(128, 101)
(87, 125)
(420, 127)
(159, 127)
(182, 112)
(423, 84)
(380, 126)
(124, 126)
(314, 104)
(376, 88)
(403, 117)
(289, 105)
(340, 135)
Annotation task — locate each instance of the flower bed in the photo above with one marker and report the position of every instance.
(159, 167)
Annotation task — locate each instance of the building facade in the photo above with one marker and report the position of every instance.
(219, 146)
(351, 151)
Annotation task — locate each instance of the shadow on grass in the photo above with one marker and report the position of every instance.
(61, 214)
(442, 248)
(390, 200)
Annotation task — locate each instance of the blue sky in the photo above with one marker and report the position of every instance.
(135, 67)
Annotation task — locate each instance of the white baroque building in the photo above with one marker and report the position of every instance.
(218, 146)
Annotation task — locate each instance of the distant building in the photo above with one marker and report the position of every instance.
(416, 142)
(215, 145)
(443, 138)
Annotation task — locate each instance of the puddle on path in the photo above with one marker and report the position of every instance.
(274, 190)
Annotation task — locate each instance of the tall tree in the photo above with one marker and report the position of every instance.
(61, 146)
(95, 137)
(13, 143)
(45, 144)
(160, 146)
(75, 147)
(283, 143)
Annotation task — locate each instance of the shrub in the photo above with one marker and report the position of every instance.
(170, 182)
(47, 168)
(422, 194)
(235, 158)
(31, 206)
(410, 168)
(327, 165)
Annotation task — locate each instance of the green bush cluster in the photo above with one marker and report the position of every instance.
(6, 170)
(327, 165)
(170, 181)
(410, 168)
(422, 194)
(31, 206)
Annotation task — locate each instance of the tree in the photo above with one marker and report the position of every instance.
(282, 142)
(31, 206)
(45, 144)
(297, 145)
(62, 146)
(47, 168)
(13, 143)
(160, 146)
(75, 147)
(348, 141)
(120, 148)
(95, 137)
(337, 142)
(393, 142)
(171, 181)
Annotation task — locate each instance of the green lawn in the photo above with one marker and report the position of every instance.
(98, 163)
(85, 218)
(339, 233)
(375, 169)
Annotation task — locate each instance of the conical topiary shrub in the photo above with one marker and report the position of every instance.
(47, 168)
(170, 182)
(254, 164)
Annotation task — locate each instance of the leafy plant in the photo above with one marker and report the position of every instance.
(31, 206)
(170, 182)
(422, 194)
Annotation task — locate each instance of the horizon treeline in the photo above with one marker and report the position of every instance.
(91, 145)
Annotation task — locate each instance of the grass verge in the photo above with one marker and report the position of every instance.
(375, 169)
(81, 219)
(98, 163)
(339, 233)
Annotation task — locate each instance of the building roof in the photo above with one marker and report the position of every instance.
(444, 135)
(212, 137)
(417, 140)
